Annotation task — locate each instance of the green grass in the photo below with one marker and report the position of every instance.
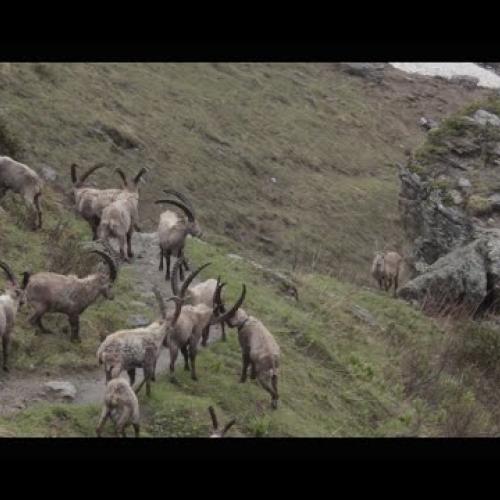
(220, 132)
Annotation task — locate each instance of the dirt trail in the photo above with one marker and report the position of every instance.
(19, 391)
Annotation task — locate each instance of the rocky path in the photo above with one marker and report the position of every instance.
(19, 391)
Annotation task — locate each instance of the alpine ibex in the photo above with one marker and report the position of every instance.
(122, 406)
(386, 267)
(67, 294)
(10, 301)
(121, 217)
(23, 180)
(192, 322)
(90, 202)
(259, 349)
(126, 350)
(201, 293)
(173, 230)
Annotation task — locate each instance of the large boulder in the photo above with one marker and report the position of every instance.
(450, 210)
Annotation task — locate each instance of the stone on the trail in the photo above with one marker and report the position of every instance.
(60, 389)
(234, 256)
(137, 320)
(48, 173)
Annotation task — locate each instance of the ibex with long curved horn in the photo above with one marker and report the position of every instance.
(259, 349)
(173, 231)
(201, 293)
(67, 294)
(191, 324)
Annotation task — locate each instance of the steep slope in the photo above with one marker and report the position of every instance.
(298, 157)
(356, 362)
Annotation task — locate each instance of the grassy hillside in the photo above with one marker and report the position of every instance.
(224, 132)
(355, 362)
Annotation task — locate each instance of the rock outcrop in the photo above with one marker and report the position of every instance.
(450, 210)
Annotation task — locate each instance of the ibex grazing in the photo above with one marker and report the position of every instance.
(201, 293)
(10, 301)
(190, 326)
(173, 230)
(386, 268)
(126, 350)
(69, 295)
(122, 406)
(259, 349)
(21, 179)
(218, 433)
(121, 217)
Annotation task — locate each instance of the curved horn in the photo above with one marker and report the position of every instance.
(228, 426)
(184, 208)
(174, 281)
(181, 197)
(137, 178)
(232, 311)
(178, 307)
(91, 170)
(190, 278)
(74, 178)
(214, 417)
(161, 302)
(8, 271)
(217, 298)
(113, 271)
(26, 278)
(121, 173)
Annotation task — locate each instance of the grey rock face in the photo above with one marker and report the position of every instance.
(447, 203)
(483, 117)
(459, 276)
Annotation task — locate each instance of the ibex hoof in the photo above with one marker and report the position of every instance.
(6, 369)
